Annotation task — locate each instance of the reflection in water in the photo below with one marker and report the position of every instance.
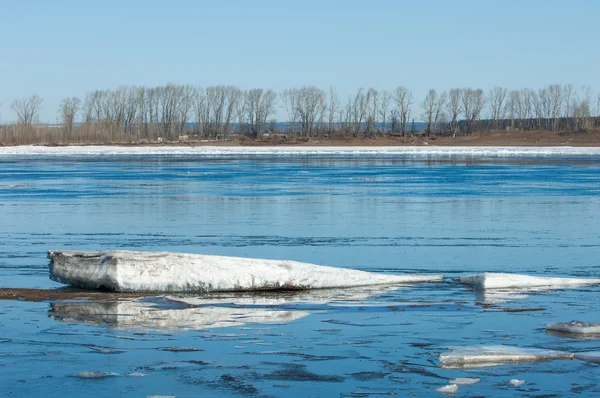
(203, 312)
(142, 315)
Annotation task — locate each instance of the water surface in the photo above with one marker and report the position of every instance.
(438, 213)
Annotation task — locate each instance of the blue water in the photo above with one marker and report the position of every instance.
(426, 214)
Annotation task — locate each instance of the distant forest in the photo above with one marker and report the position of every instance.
(184, 112)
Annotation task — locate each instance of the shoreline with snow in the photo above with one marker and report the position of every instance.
(208, 150)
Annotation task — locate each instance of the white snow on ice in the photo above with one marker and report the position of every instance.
(129, 271)
(449, 389)
(492, 280)
(516, 382)
(575, 327)
(479, 356)
(28, 150)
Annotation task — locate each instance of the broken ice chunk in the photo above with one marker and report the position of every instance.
(593, 357)
(95, 374)
(449, 389)
(478, 356)
(493, 280)
(464, 381)
(516, 382)
(574, 327)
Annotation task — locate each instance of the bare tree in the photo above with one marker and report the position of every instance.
(27, 109)
(67, 110)
(428, 105)
(473, 102)
(496, 100)
(261, 104)
(453, 109)
(289, 97)
(372, 110)
(241, 109)
(403, 98)
(582, 109)
(386, 99)
(333, 108)
(309, 102)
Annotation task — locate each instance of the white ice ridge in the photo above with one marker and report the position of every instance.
(575, 327)
(129, 271)
(205, 150)
(492, 280)
(479, 356)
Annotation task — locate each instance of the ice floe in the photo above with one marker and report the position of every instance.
(29, 150)
(129, 271)
(516, 382)
(465, 381)
(127, 315)
(449, 389)
(95, 374)
(575, 327)
(479, 356)
(593, 357)
(493, 280)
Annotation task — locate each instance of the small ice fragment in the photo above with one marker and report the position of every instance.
(575, 327)
(496, 280)
(478, 356)
(464, 381)
(95, 374)
(103, 350)
(160, 396)
(179, 349)
(449, 389)
(136, 374)
(516, 382)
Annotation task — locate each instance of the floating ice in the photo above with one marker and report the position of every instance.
(478, 356)
(449, 389)
(593, 357)
(95, 374)
(492, 280)
(29, 150)
(574, 327)
(516, 382)
(464, 381)
(126, 315)
(129, 271)
(136, 374)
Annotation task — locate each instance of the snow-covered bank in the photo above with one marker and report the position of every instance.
(129, 271)
(507, 151)
(479, 356)
(492, 280)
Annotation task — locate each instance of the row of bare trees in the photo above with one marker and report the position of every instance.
(170, 111)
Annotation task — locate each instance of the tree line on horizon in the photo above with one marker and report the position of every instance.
(129, 114)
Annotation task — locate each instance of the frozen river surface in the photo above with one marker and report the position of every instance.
(531, 212)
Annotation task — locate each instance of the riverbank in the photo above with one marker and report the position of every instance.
(491, 139)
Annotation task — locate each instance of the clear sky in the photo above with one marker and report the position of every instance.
(69, 47)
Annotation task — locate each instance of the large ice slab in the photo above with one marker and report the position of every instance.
(479, 356)
(493, 280)
(129, 271)
(575, 327)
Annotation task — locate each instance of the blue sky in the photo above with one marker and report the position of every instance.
(69, 47)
